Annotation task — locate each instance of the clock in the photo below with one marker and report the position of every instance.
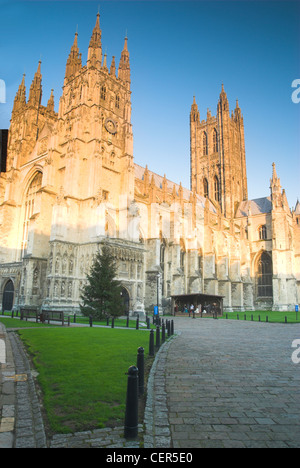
(110, 126)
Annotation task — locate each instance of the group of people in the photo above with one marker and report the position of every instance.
(199, 309)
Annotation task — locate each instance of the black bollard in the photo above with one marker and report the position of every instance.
(163, 332)
(137, 323)
(140, 366)
(168, 327)
(151, 343)
(131, 413)
(91, 321)
(68, 320)
(172, 327)
(127, 321)
(113, 322)
(157, 337)
(148, 322)
(74, 318)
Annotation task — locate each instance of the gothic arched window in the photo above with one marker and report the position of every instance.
(264, 276)
(205, 147)
(262, 232)
(103, 92)
(215, 140)
(28, 207)
(205, 187)
(117, 103)
(217, 188)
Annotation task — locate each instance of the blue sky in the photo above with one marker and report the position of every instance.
(178, 49)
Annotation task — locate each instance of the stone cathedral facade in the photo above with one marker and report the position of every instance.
(70, 183)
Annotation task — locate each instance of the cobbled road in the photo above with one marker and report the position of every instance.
(233, 384)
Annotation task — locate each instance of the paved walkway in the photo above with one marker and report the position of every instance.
(218, 383)
(233, 384)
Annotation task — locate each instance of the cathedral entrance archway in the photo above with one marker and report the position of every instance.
(8, 296)
(126, 300)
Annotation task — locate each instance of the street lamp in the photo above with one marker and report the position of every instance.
(157, 282)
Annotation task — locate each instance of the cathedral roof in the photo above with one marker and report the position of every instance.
(254, 207)
(159, 180)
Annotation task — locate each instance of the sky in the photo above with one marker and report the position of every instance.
(178, 49)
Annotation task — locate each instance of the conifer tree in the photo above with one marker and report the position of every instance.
(101, 296)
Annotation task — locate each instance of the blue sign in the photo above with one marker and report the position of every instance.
(296, 308)
(155, 310)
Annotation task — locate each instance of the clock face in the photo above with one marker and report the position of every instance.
(110, 126)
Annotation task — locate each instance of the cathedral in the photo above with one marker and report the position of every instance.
(69, 183)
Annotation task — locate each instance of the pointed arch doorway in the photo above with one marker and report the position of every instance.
(8, 296)
(126, 300)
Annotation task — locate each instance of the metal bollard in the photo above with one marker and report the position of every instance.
(131, 413)
(151, 343)
(140, 366)
(68, 320)
(168, 327)
(127, 321)
(172, 327)
(91, 321)
(113, 322)
(137, 323)
(148, 322)
(163, 332)
(157, 336)
(74, 318)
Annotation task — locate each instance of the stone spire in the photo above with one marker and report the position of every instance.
(74, 60)
(275, 187)
(50, 105)
(223, 104)
(95, 48)
(113, 66)
(237, 112)
(195, 114)
(35, 93)
(124, 65)
(20, 98)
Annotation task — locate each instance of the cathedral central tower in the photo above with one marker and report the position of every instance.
(218, 163)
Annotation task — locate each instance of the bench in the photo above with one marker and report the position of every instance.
(29, 312)
(54, 316)
(42, 315)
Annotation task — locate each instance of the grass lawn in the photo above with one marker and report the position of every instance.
(82, 373)
(273, 316)
(17, 323)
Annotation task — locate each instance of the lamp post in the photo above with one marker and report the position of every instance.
(157, 283)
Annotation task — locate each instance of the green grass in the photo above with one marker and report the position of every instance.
(273, 316)
(82, 373)
(17, 323)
